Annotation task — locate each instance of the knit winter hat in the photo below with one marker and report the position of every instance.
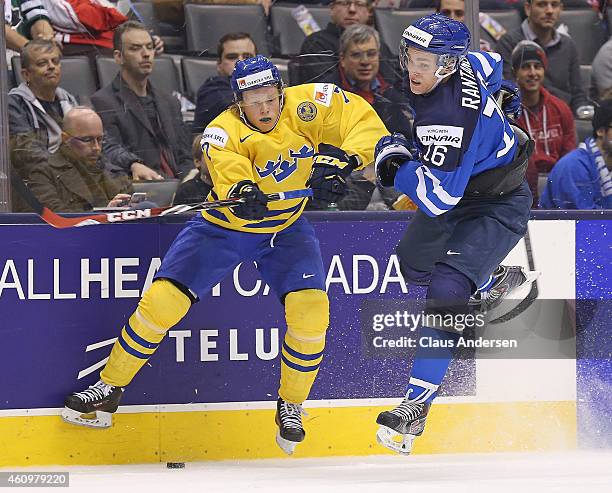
(528, 51)
(603, 114)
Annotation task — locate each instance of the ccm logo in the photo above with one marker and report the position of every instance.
(127, 215)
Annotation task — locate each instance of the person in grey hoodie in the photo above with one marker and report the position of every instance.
(563, 74)
(36, 109)
(602, 69)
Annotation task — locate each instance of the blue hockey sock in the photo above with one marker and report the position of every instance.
(448, 294)
(430, 363)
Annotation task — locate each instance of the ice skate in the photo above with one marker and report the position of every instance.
(505, 281)
(93, 406)
(400, 426)
(290, 429)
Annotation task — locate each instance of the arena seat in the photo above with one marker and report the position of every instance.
(288, 37)
(392, 23)
(585, 75)
(584, 129)
(586, 30)
(195, 72)
(174, 39)
(206, 24)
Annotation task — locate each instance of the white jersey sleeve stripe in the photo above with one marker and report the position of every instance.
(422, 193)
(442, 194)
(484, 63)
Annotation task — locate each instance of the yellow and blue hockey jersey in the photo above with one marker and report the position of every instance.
(281, 160)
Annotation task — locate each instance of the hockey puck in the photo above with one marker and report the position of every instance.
(175, 465)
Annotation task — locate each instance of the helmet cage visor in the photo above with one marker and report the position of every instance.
(444, 65)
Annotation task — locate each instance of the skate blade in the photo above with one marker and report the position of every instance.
(394, 441)
(99, 419)
(286, 446)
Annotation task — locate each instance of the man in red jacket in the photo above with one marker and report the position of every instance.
(548, 119)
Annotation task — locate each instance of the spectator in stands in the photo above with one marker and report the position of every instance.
(75, 179)
(563, 74)
(36, 108)
(323, 46)
(34, 22)
(582, 179)
(358, 72)
(215, 94)
(144, 119)
(82, 27)
(602, 69)
(39, 28)
(547, 118)
(198, 183)
(455, 9)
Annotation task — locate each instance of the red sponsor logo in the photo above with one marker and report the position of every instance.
(320, 96)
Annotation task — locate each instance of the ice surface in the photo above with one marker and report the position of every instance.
(584, 472)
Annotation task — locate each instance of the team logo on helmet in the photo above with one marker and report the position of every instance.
(418, 36)
(307, 111)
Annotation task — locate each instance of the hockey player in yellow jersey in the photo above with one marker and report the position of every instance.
(274, 139)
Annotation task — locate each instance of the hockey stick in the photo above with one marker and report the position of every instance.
(531, 296)
(61, 222)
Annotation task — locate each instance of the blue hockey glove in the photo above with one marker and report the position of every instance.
(255, 203)
(330, 168)
(390, 153)
(510, 99)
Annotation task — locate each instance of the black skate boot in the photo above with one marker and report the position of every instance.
(98, 401)
(505, 280)
(400, 426)
(289, 421)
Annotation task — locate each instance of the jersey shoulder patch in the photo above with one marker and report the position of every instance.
(215, 135)
(323, 93)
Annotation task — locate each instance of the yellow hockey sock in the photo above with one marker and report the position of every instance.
(161, 307)
(307, 314)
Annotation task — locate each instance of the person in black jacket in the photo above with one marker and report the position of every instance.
(215, 94)
(144, 119)
(319, 53)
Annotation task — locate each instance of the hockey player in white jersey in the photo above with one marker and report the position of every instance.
(465, 170)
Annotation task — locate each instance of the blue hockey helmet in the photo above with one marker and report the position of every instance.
(253, 73)
(437, 34)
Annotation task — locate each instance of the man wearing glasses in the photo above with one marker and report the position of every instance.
(320, 50)
(215, 94)
(359, 73)
(75, 179)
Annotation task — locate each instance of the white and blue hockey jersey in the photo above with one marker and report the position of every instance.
(460, 131)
